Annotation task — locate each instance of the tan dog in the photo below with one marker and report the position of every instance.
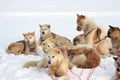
(94, 34)
(46, 45)
(114, 34)
(83, 56)
(92, 31)
(47, 35)
(26, 46)
(117, 65)
(56, 62)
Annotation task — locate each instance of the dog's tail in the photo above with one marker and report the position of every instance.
(30, 64)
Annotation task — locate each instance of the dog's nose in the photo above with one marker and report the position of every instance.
(28, 41)
(118, 69)
(49, 62)
(108, 34)
(42, 32)
(78, 28)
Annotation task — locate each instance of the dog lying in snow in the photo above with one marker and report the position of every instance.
(47, 35)
(55, 61)
(26, 46)
(83, 56)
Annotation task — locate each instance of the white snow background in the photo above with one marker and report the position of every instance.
(21, 16)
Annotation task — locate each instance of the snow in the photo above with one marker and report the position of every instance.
(11, 69)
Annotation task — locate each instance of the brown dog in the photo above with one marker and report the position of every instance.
(26, 46)
(114, 34)
(83, 56)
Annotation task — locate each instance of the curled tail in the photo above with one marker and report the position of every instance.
(30, 64)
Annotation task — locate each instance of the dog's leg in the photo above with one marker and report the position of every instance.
(90, 74)
(80, 74)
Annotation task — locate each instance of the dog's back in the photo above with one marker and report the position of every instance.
(16, 47)
(46, 34)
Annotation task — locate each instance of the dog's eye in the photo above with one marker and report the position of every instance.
(48, 46)
(53, 56)
(45, 29)
(30, 37)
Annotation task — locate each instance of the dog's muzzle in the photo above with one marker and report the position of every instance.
(108, 35)
(28, 41)
(49, 62)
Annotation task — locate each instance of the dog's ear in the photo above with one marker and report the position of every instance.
(115, 58)
(77, 15)
(110, 26)
(82, 16)
(98, 32)
(58, 51)
(48, 25)
(23, 34)
(40, 25)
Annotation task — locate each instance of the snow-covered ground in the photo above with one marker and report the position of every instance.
(11, 69)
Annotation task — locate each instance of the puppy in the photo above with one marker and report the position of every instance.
(117, 65)
(47, 35)
(26, 46)
(114, 34)
(56, 62)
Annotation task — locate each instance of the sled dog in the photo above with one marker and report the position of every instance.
(26, 46)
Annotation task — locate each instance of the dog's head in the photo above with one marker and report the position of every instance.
(44, 30)
(54, 57)
(113, 32)
(117, 64)
(46, 45)
(80, 22)
(29, 37)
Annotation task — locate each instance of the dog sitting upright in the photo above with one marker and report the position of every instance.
(47, 35)
(26, 46)
(92, 31)
(94, 34)
(114, 34)
(117, 65)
